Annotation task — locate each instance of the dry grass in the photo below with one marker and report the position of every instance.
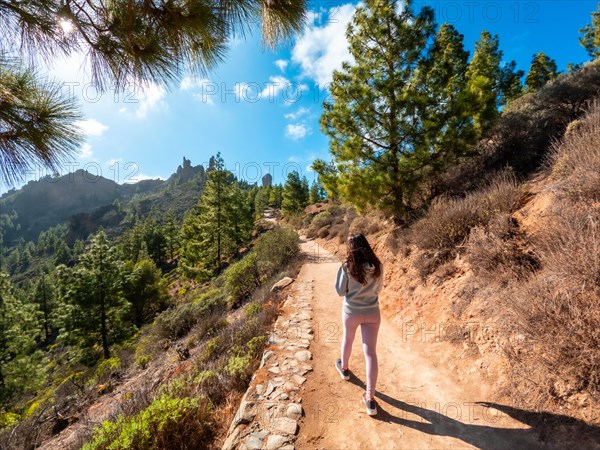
(575, 162)
(498, 252)
(558, 313)
(447, 225)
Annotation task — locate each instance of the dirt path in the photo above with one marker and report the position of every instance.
(421, 405)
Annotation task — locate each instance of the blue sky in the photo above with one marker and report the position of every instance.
(261, 108)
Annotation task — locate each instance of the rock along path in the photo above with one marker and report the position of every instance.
(298, 400)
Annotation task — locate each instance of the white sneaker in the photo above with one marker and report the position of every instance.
(370, 404)
(345, 374)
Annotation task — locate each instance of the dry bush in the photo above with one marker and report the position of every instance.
(342, 231)
(360, 224)
(447, 224)
(426, 262)
(444, 272)
(311, 232)
(562, 323)
(558, 311)
(570, 245)
(397, 242)
(337, 210)
(323, 232)
(575, 161)
(332, 232)
(343, 217)
(449, 220)
(497, 252)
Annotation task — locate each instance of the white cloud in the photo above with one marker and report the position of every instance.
(150, 99)
(188, 83)
(203, 98)
(241, 90)
(282, 64)
(85, 152)
(300, 113)
(200, 89)
(91, 127)
(296, 131)
(275, 85)
(321, 49)
(112, 162)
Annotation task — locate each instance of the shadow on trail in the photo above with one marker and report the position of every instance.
(546, 430)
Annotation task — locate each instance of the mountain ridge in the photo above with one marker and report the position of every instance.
(77, 196)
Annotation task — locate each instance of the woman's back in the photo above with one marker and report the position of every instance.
(359, 298)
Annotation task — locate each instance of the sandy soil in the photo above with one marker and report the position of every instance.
(421, 403)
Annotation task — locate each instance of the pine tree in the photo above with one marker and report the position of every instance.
(276, 196)
(208, 233)
(542, 70)
(316, 192)
(242, 213)
(44, 297)
(125, 41)
(93, 291)
(591, 35)
(7, 223)
(261, 201)
(154, 239)
(146, 290)
(295, 194)
(447, 110)
(17, 329)
(171, 233)
(62, 254)
(37, 120)
(483, 75)
(510, 82)
(401, 111)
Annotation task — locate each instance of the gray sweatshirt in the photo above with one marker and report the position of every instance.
(358, 298)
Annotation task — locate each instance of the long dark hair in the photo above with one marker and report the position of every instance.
(359, 253)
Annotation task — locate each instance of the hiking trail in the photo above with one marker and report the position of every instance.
(420, 405)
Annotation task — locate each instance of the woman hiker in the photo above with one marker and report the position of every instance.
(359, 280)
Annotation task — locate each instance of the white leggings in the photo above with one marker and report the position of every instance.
(369, 327)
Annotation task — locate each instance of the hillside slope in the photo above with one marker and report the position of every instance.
(85, 200)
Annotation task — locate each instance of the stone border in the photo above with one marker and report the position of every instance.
(271, 407)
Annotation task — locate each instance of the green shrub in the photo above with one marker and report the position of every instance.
(252, 309)
(322, 219)
(238, 365)
(274, 250)
(175, 323)
(256, 345)
(205, 375)
(211, 298)
(211, 349)
(143, 361)
(241, 279)
(9, 419)
(105, 369)
(167, 423)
